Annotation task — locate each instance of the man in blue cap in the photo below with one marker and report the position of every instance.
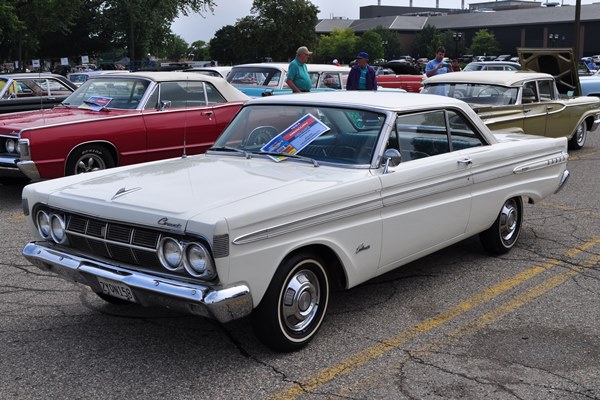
(362, 75)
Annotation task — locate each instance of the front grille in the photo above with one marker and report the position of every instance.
(132, 245)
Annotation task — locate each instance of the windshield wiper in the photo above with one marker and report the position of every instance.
(229, 148)
(296, 156)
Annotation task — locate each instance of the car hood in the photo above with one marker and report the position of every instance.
(167, 194)
(57, 115)
(559, 62)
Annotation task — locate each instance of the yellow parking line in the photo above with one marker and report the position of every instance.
(373, 352)
(575, 210)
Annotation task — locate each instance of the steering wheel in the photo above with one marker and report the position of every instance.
(489, 91)
(261, 136)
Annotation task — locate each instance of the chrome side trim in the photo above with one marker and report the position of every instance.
(560, 159)
(309, 222)
(219, 302)
(563, 180)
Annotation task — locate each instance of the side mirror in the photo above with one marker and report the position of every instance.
(391, 158)
(164, 104)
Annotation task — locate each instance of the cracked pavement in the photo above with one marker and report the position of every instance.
(457, 324)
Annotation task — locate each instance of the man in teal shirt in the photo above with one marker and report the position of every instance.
(297, 77)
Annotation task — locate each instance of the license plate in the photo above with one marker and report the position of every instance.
(116, 289)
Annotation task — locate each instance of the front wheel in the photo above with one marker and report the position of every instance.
(293, 308)
(503, 234)
(89, 158)
(578, 139)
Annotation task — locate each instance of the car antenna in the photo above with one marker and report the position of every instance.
(184, 155)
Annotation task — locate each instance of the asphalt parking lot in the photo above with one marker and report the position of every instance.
(455, 325)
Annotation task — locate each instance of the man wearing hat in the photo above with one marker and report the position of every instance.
(362, 75)
(297, 77)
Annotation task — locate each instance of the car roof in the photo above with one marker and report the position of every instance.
(175, 76)
(309, 67)
(391, 101)
(21, 75)
(505, 78)
(496, 63)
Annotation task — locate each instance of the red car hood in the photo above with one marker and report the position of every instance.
(58, 115)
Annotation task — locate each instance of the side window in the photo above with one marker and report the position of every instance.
(152, 103)
(57, 88)
(330, 80)
(182, 94)
(530, 93)
(422, 135)
(213, 95)
(462, 134)
(546, 90)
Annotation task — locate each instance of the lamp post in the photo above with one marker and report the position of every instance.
(384, 44)
(553, 38)
(457, 36)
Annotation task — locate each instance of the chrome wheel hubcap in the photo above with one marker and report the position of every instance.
(509, 218)
(300, 303)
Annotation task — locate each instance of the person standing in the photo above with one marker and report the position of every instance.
(362, 75)
(455, 66)
(437, 65)
(297, 76)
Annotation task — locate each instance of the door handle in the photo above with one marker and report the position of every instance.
(209, 113)
(465, 161)
(527, 110)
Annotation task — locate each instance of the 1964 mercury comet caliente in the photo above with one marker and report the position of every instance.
(299, 195)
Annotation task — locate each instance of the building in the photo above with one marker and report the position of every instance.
(513, 23)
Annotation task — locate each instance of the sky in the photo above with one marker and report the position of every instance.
(227, 12)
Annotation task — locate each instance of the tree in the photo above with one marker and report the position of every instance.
(340, 44)
(484, 43)
(392, 48)
(371, 42)
(285, 25)
(426, 42)
(199, 51)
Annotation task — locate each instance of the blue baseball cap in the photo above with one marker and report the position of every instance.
(362, 54)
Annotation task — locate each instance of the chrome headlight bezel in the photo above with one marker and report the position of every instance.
(170, 254)
(198, 261)
(58, 228)
(42, 223)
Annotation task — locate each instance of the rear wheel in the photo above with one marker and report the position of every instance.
(89, 158)
(503, 234)
(293, 308)
(578, 139)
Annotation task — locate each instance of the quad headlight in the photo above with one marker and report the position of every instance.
(170, 253)
(43, 224)
(10, 145)
(197, 261)
(193, 257)
(51, 226)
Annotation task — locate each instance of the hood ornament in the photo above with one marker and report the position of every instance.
(123, 191)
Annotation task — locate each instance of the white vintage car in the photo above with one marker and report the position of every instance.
(301, 194)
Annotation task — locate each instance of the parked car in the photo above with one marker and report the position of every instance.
(590, 84)
(503, 57)
(219, 71)
(492, 66)
(79, 77)
(265, 79)
(118, 119)
(406, 76)
(523, 101)
(33, 91)
(300, 195)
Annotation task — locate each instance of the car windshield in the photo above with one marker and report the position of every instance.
(254, 76)
(475, 93)
(119, 93)
(324, 134)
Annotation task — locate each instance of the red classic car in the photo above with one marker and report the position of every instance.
(405, 76)
(118, 119)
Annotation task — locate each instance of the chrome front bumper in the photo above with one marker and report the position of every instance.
(221, 303)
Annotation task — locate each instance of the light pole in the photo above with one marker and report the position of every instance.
(384, 44)
(553, 38)
(457, 36)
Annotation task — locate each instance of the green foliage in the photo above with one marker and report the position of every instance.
(340, 44)
(454, 48)
(198, 51)
(426, 42)
(484, 43)
(278, 29)
(370, 42)
(392, 48)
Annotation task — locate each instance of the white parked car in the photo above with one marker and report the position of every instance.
(301, 194)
